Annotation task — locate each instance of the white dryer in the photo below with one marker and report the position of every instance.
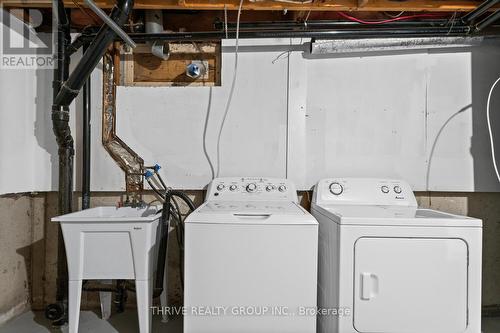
(250, 260)
(386, 266)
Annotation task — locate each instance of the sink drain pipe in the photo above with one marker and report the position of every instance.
(65, 89)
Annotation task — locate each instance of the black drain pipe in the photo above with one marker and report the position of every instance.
(480, 10)
(86, 142)
(56, 311)
(65, 90)
(488, 21)
(60, 119)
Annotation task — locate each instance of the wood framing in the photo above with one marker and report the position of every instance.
(141, 68)
(320, 5)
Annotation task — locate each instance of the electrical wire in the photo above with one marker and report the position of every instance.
(225, 20)
(394, 16)
(205, 128)
(231, 91)
(492, 144)
(400, 18)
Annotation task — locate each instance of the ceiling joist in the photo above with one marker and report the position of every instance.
(295, 5)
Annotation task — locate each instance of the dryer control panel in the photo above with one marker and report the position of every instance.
(364, 191)
(251, 189)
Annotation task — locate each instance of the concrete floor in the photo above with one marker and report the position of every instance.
(35, 322)
(126, 322)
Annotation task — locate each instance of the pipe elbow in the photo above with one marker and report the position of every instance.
(62, 131)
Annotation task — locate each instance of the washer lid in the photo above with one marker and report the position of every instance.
(251, 212)
(393, 215)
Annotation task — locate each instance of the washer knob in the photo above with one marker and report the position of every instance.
(220, 187)
(233, 187)
(282, 188)
(252, 187)
(269, 188)
(398, 189)
(385, 189)
(336, 189)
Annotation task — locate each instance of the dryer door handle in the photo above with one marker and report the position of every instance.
(369, 286)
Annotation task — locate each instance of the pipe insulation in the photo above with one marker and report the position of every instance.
(393, 44)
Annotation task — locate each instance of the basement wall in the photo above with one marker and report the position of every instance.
(416, 115)
(21, 234)
(28, 245)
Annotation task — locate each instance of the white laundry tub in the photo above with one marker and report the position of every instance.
(111, 243)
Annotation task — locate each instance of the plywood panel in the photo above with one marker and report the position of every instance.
(141, 68)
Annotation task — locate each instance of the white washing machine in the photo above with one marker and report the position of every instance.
(250, 260)
(386, 266)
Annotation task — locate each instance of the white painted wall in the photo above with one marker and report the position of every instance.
(292, 115)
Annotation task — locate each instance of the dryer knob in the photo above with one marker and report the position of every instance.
(220, 187)
(269, 188)
(252, 187)
(385, 189)
(282, 188)
(398, 189)
(336, 189)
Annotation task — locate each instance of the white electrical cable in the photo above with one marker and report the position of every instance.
(231, 91)
(490, 131)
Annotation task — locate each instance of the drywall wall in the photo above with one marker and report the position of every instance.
(416, 115)
(419, 116)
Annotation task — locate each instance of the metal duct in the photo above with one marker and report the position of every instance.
(393, 44)
(154, 24)
(128, 160)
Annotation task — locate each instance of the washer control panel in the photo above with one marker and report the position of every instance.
(252, 189)
(361, 191)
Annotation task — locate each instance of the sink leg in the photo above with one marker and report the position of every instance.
(144, 294)
(74, 299)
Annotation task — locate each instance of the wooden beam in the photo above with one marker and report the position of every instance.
(319, 5)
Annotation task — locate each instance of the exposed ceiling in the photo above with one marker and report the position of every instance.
(292, 5)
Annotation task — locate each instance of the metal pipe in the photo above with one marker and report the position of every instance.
(110, 22)
(357, 32)
(332, 24)
(154, 24)
(86, 141)
(488, 21)
(480, 10)
(320, 34)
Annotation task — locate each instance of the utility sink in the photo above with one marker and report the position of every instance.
(107, 243)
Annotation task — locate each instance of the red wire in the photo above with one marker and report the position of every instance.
(352, 18)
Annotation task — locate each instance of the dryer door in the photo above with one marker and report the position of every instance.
(405, 285)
